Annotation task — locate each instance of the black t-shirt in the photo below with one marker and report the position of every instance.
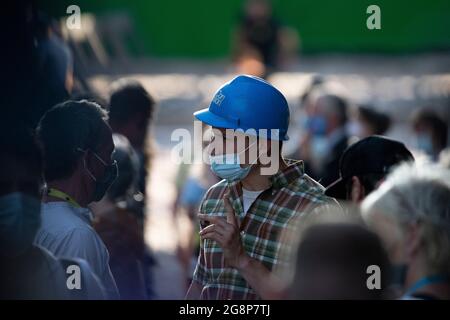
(263, 36)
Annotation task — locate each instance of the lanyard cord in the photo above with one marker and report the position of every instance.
(426, 281)
(63, 196)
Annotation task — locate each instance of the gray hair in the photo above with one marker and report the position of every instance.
(335, 105)
(418, 193)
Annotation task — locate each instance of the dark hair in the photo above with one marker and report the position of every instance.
(21, 160)
(378, 121)
(340, 253)
(91, 97)
(431, 120)
(128, 163)
(65, 128)
(369, 181)
(129, 98)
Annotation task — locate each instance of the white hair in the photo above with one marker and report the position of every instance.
(418, 193)
(444, 158)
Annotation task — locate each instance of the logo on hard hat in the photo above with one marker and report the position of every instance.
(218, 98)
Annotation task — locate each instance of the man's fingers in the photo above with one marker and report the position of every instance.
(209, 218)
(231, 218)
(212, 228)
(214, 236)
(212, 219)
(228, 206)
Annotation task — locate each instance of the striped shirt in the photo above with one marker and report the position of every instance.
(291, 195)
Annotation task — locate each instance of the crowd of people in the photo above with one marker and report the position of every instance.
(348, 214)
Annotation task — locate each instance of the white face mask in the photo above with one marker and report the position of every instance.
(19, 221)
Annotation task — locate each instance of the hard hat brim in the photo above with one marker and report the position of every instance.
(213, 120)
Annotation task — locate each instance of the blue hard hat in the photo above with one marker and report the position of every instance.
(248, 102)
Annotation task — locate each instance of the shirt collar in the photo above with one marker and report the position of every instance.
(294, 170)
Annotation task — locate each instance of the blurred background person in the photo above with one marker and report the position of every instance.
(367, 122)
(54, 65)
(262, 44)
(78, 169)
(326, 137)
(120, 228)
(430, 132)
(259, 33)
(364, 165)
(131, 110)
(410, 213)
(332, 261)
(299, 128)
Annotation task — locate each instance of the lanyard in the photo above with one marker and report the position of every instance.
(426, 281)
(55, 193)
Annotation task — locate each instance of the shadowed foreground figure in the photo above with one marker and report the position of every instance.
(332, 261)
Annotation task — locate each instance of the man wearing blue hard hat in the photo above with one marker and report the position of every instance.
(260, 197)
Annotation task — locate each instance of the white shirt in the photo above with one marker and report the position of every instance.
(248, 197)
(66, 231)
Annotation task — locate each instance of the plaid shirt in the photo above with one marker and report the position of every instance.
(291, 195)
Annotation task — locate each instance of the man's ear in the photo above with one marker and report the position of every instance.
(357, 191)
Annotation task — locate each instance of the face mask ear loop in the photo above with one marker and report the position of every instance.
(100, 159)
(238, 154)
(84, 164)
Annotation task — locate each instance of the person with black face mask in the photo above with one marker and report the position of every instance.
(78, 169)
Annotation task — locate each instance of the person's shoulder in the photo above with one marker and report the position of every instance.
(70, 239)
(85, 234)
(45, 257)
(213, 195)
(307, 187)
(58, 215)
(217, 190)
(57, 267)
(84, 243)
